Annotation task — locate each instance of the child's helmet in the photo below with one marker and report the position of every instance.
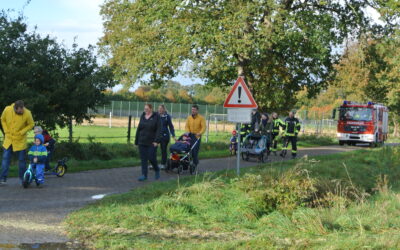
(234, 132)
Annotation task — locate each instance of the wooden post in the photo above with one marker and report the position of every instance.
(129, 129)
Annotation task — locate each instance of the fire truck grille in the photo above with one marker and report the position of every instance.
(355, 128)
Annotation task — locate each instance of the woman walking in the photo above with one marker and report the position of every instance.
(148, 136)
(167, 129)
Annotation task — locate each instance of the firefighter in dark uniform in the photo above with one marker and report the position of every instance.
(245, 129)
(278, 123)
(291, 129)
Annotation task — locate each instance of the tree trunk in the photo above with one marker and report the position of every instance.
(70, 129)
(395, 126)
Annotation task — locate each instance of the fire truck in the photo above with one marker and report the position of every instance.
(362, 123)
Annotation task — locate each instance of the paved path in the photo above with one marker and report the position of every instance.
(34, 215)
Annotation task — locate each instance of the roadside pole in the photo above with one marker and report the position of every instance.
(238, 150)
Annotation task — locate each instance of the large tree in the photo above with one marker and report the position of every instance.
(279, 46)
(57, 84)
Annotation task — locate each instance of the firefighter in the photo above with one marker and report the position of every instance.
(245, 129)
(291, 129)
(278, 123)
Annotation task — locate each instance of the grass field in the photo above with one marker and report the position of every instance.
(342, 201)
(94, 149)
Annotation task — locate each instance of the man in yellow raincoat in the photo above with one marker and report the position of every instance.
(16, 121)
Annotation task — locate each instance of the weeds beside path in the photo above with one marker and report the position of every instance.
(331, 201)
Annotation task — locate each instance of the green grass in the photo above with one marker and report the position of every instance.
(342, 201)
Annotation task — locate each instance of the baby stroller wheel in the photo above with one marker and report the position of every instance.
(261, 157)
(26, 180)
(168, 166)
(180, 169)
(60, 170)
(192, 168)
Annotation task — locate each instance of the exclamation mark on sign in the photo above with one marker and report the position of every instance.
(239, 93)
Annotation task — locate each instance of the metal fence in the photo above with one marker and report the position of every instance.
(216, 115)
(135, 109)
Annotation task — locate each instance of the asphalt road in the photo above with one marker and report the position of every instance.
(34, 215)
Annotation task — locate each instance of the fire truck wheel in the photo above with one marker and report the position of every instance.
(341, 143)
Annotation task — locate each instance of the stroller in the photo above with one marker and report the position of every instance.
(181, 154)
(254, 145)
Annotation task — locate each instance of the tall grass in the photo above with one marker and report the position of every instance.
(343, 201)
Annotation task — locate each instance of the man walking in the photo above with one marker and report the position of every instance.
(196, 124)
(291, 128)
(16, 121)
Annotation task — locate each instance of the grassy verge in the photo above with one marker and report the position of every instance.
(342, 201)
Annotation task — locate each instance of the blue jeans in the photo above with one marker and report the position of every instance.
(5, 164)
(39, 171)
(148, 153)
(195, 152)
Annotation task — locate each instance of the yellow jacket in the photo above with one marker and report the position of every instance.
(16, 127)
(196, 125)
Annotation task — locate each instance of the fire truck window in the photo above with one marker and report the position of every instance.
(356, 114)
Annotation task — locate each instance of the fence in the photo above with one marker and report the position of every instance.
(135, 109)
(115, 115)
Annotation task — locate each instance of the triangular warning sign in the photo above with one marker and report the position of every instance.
(240, 96)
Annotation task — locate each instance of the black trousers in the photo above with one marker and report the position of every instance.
(164, 147)
(293, 141)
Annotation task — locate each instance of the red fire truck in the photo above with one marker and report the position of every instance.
(362, 123)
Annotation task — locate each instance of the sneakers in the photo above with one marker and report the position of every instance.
(3, 182)
(162, 167)
(142, 178)
(157, 175)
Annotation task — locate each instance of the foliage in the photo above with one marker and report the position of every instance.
(223, 211)
(57, 84)
(172, 92)
(278, 46)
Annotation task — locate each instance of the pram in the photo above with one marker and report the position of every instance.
(254, 145)
(181, 157)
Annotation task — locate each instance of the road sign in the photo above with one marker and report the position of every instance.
(239, 115)
(240, 96)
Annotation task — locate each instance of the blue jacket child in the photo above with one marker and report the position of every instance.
(37, 157)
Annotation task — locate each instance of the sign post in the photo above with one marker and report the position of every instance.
(239, 102)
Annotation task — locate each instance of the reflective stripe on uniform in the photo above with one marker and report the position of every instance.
(37, 153)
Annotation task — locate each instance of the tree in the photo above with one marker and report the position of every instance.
(84, 82)
(30, 67)
(57, 84)
(278, 46)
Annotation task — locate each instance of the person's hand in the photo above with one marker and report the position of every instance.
(198, 134)
(155, 144)
(35, 160)
(46, 144)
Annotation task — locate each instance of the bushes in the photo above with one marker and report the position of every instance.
(94, 150)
